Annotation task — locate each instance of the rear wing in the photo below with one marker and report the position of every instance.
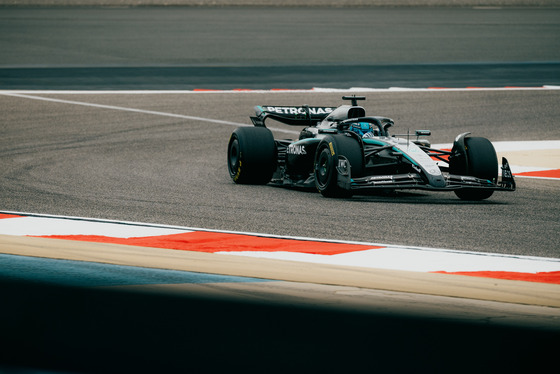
(291, 115)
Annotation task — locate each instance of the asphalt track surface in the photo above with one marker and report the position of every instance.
(89, 155)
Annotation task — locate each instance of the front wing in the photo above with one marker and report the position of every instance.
(417, 181)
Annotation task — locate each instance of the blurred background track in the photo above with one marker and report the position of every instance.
(251, 47)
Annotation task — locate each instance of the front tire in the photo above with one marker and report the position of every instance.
(326, 161)
(478, 160)
(251, 155)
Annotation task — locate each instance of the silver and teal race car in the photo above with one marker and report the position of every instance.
(342, 152)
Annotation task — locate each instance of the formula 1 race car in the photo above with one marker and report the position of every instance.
(342, 152)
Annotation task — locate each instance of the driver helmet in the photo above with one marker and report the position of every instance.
(364, 129)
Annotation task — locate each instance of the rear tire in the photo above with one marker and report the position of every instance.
(326, 161)
(251, 155)
(481, 162)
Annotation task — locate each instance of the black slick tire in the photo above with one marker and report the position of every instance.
(326, 161)
(251, 155)
(480, 161)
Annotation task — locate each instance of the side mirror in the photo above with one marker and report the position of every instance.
(423, 133)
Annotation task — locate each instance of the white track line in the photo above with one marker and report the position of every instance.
(42, 226)
(134, 110)
(125, 109)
